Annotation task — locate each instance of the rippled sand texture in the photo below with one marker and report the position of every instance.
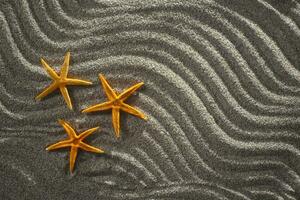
(222, 93)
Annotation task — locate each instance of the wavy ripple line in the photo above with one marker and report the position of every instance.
(222, 94)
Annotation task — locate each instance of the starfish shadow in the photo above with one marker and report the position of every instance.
(51, 95)
(76, 102)
(131, 126)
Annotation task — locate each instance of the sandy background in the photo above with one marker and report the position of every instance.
(221, 92)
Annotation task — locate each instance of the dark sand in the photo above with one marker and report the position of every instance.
(222, 93)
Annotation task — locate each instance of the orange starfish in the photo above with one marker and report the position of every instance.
(116, 103)
(75, 141)
(61, 81)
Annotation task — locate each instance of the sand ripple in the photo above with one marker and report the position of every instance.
(221, 92)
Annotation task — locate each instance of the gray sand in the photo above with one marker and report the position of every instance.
(222, 93)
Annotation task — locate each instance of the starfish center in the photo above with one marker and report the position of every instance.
(116, 102)
(62, 81)
(76, 141)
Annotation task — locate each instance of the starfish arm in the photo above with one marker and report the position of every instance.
(90, 148)
(87, 133)
(98, 107)
(72, 81)
(65, 94)
(129, 109)
(50, 71)
(116, 121)
(73, 155)
(58, 145)
(108, 90)
(129, 91)
(53, 86)
(65, 67)
(70, 131)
